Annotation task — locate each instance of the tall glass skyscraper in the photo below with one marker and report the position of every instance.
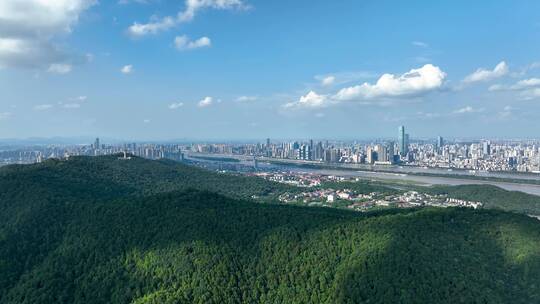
(402, 141)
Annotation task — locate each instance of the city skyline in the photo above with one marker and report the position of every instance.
(483, 155)
(248, 69)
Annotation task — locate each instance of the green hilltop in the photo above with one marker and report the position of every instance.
(106, 230)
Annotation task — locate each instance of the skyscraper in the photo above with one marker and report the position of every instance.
(382, 153)
(440, 142)
(486, 148)
(96, 144)
(267, 148)
(390, 147)
(402, 141)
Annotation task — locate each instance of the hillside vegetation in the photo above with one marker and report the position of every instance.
(103, 230)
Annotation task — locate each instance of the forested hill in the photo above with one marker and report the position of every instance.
(108, 177)
(102, 230)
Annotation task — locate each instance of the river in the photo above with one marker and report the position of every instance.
(404, 174)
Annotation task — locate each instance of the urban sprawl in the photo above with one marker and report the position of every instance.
(481, 155)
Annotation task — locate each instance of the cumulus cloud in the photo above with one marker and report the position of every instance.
(59, 68)
(526, 83)
(246, 98)
(159, 25)
(184, 43)
(507, 112)
(206, 102)
(341, 78)
(134, 1)
(310, 100)
(467, 110)
(127, 69)
(530, 94)
(420, 44)
(481, 74)
(528, 88)
(520, 85)
(5, 115)
(192, 7)
(176, 105)
(43, 107)
(29, 29)
(71, 105)
(328, 81)
(414, 82)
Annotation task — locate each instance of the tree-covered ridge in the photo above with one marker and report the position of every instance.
(492, 197)
(198, 247)
(107, 177)
(137, 242)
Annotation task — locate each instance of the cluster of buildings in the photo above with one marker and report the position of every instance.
(316, 194)
(38, 153)
(364, 202)
(482, 155)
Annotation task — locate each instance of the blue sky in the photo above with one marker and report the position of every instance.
(247, 69)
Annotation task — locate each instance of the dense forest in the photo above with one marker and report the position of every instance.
(105, 230)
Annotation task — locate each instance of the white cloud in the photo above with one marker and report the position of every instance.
(328, 81)
(5, 115)
(138, 29)
(341, 78)
(206, 102)
(497, 87)
(526, 83)
(176, 105)
(467, 110)
(72, 105)
(29, 29)
(414, 82)
(310, 100)
(429, 115)
(192, 7)
(481, 74)
(528, 88)
(420, 44)
(60, 68)
(246, 98)
(530, 94)
(146, 121)
(127, 69)
(183, 43)
(134, 1)
(42, 107)
(507, 112)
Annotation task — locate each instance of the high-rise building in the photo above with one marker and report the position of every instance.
(486, 148)
(403, 141)
(440, 143)
(267, 148)
(96, 144)
(391, 153)
(371, 155)
(382, 153)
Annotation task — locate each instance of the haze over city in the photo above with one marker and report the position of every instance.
(248, 69)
